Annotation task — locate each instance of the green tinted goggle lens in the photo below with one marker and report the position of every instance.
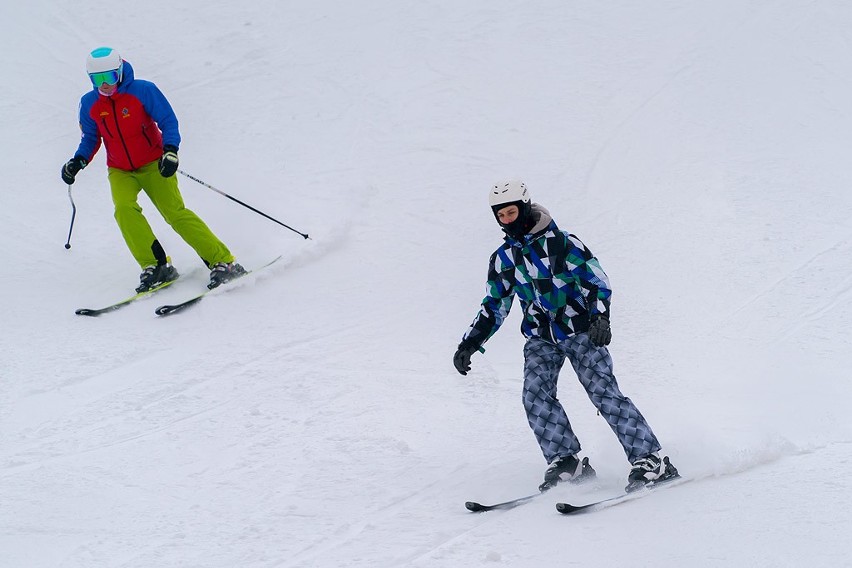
(108, 77)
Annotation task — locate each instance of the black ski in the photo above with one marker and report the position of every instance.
(126, 302)
(568, 509)
(170, 309)
(479, 507)
(588, 473)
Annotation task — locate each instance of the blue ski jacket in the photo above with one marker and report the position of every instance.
(134, 123)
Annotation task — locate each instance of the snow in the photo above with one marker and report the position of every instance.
(312, 417)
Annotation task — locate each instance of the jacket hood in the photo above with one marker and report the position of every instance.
(542, 217)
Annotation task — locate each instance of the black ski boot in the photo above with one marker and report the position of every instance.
(154, 276)
(650, 469)
(567, 468)
(222, 272)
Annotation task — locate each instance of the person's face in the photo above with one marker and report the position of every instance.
(507, 214)
(107, 89)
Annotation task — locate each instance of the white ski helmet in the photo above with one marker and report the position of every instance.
(104, 59)
(508, 191)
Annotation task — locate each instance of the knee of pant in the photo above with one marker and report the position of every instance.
(537, 387)
(125, 208)
(175, 216)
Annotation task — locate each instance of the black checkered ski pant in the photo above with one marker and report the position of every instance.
(593, 365)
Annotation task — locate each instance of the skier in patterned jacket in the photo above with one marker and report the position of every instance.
(565, 298)
(140, 132)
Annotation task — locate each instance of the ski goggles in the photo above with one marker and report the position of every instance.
(108, 77)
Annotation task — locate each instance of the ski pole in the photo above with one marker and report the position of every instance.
(246, 205)
(73, 215)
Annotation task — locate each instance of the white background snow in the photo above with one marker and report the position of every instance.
(313, 417)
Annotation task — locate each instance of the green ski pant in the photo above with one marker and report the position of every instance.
(165, 196)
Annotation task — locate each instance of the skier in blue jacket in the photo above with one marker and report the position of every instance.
(139, 129)
(565, 297)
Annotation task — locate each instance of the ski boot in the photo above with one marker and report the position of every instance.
(222, 272)
(153, 276)
(567, 468)
(650, 469)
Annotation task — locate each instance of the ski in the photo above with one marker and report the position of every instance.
(588, 474)
(568, 509)
(479, 507)
(93, 312)
(170, 309)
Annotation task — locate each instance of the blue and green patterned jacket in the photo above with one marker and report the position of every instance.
(556, 277)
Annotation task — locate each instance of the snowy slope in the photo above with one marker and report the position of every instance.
(312, 417)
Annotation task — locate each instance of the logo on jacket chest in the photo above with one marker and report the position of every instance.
(125, 113)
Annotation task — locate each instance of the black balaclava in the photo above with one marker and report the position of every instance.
(520, 226)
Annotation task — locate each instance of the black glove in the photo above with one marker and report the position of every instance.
(461, 359)
(168, 163)
(71, 167)
(599, 332)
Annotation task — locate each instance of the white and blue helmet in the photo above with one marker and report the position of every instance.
(104, 60)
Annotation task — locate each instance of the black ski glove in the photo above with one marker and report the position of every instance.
(71, 167)
(599, 332)
(168, 163)
(461, 359)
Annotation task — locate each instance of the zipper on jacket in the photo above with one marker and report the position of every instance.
(120, 137)
(145, 134)
(106, 127)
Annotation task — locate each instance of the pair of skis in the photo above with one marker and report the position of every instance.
(569, 509)
(167, 309)
(93, 312)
